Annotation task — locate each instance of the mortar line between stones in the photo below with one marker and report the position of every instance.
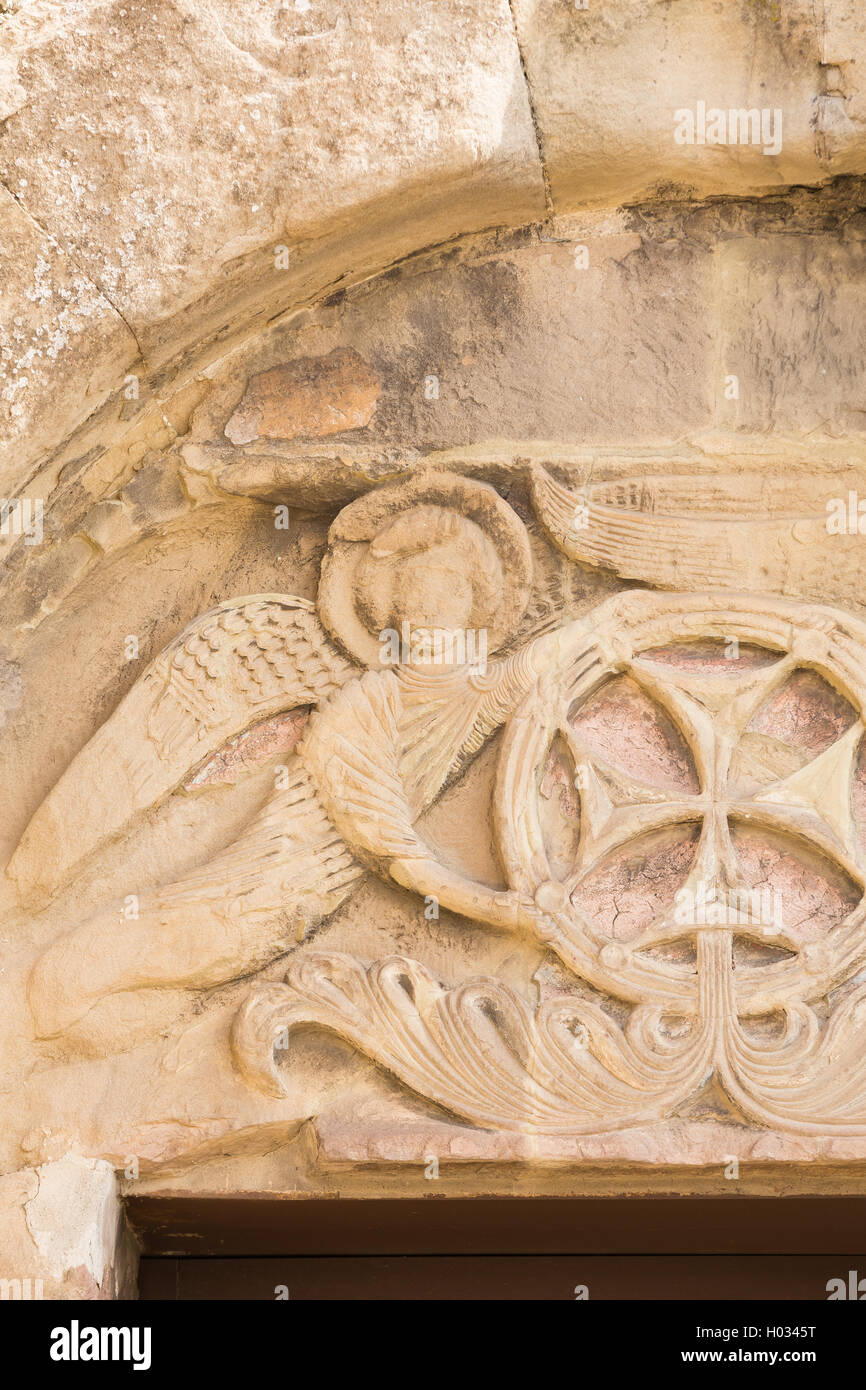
(539, 142)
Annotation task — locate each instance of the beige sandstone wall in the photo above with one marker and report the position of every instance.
(331, 318)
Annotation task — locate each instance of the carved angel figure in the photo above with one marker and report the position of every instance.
(437, 545)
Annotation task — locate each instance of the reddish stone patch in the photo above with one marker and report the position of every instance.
(622, 725)
(858, 794)
(806, 712)
(709, 655)
(309, 397)
(560, 811)
(559, 775)
(815, 895)
(628, 893)
(272, 737)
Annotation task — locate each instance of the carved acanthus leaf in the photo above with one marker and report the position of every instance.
(785, 1047)
(562, 1067)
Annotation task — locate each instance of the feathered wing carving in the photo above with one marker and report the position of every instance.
(739, 531)
(287, 871)
(567, 1065)
(237, 664)
(625, 535)
(374, 756)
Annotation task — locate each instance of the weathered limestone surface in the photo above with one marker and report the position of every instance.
(325, 331)
(608, 79)
(196, 140)
(245, 159)
(63, 347)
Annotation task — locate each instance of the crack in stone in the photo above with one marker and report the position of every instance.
(536, 126)
(43, 231)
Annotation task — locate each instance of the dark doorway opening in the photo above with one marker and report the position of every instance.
(647, 1248)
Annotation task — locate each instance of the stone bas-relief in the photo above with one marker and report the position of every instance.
(463, 845)
(253, 658)
(705, 1007)
(768, 533)
(675, 813)
(433, 712)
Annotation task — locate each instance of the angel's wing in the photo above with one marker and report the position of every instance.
(242, 662)
(747, 531)
(629, 537)
(285, 873)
